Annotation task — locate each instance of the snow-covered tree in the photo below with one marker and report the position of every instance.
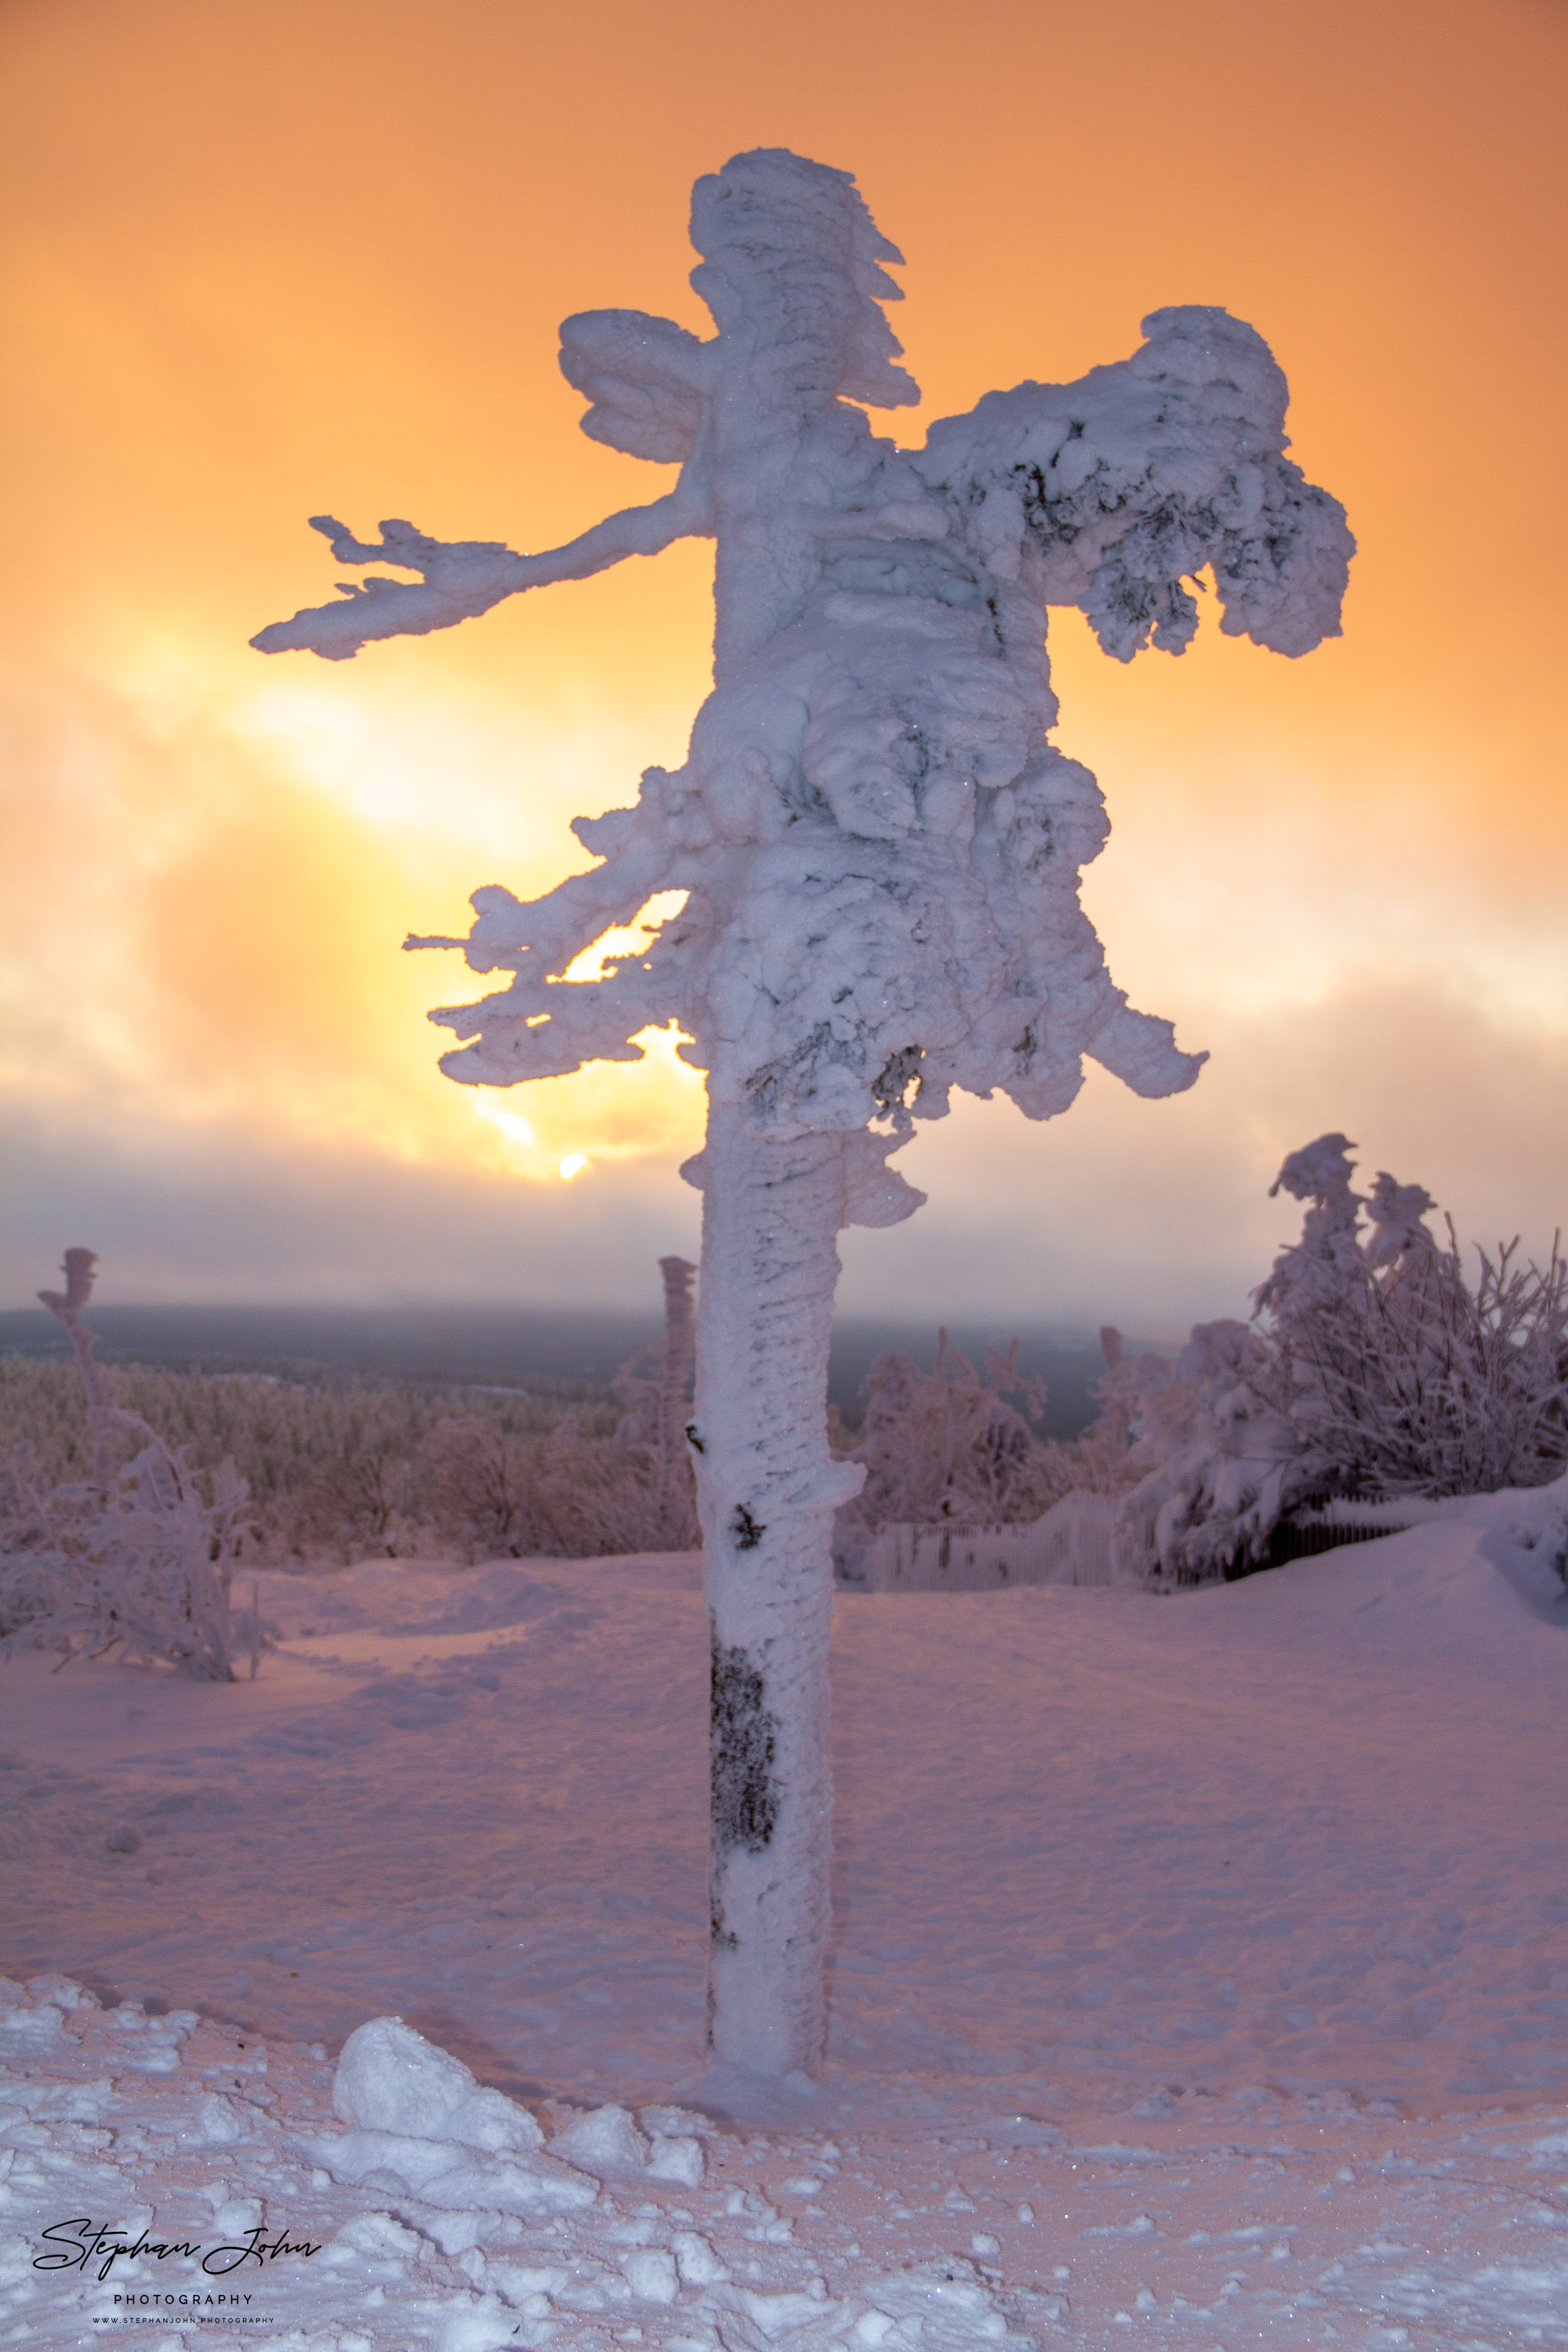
(880, 850)
(1374, 1372)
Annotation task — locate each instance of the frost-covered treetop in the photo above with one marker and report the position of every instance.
(1331, 1261)
(880, 846)
(1125, 486)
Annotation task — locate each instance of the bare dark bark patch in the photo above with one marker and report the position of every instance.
(744, 1798)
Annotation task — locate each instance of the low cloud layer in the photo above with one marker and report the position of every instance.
(1151, 1215)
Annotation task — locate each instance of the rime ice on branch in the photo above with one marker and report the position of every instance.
(881, 850)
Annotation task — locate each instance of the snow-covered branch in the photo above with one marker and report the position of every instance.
(1119, 489)
(460, 579)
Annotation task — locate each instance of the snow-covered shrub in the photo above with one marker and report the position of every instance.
(488, 1493)
(1221, 1461)
(334, 1468)
(946, 1446)
(1403, 1376)
(134, 1556)
(1374, 1372)
(350, 1469)
(295, 1445)
(597, 1495)
(523, 1481)
(474, 1478)
(142, 1563)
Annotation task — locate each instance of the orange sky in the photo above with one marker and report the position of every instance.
(262, 261)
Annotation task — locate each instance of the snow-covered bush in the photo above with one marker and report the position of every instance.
(142, 1563)
(331, 1465)
(486, 1492)
(1220, 1458)
(475, 1482)
(134, 1556)
(946, 1446)
(600, 1496)
(1404, 1376)
(349, 1469)
(1373, 1370)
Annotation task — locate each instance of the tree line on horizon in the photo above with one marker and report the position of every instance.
(1374, 1369)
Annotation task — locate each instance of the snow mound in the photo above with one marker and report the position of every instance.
(402, 1599)
(391, 2079)
(606, 2141)
(420, 2124)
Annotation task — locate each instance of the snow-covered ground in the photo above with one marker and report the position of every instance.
(1200, 1972)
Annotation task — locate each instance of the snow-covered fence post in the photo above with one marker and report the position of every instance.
(881, 850)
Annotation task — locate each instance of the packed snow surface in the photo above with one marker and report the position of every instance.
(1199, 1973)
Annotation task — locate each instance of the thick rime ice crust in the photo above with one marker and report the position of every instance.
(879, 850)
(1124, 487)
(880, 846)
(767, 1491)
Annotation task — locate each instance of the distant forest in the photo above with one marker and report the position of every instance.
(571, 1354)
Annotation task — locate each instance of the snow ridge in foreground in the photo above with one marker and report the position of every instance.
(435, 2217)
(672, 2232)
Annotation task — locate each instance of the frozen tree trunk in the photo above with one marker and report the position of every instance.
(767, 1490)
